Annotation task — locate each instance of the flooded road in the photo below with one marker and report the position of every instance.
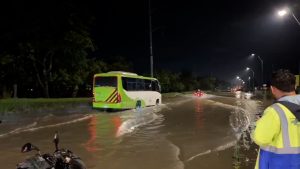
(184, 132)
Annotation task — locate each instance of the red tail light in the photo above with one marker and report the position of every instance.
(119, 98)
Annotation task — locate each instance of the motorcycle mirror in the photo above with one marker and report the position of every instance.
(29, 147)
(56, 140)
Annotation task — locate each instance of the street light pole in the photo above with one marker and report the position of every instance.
(262, 67)
(252, 76)
(238, 80)
(295, 18)
(150, 38)
(249, 82)
(283, 12)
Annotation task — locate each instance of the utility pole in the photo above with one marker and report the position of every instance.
(262, 67)
(150, 38)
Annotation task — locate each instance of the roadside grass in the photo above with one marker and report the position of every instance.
(26, 104)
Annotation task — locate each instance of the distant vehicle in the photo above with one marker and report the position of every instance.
(124, 90)
(199, 93)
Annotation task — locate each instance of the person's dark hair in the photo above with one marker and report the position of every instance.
(283, 80)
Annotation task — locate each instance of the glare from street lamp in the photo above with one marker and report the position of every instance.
(247, 68)
(237, 77)
(282, 12)
(286, 11)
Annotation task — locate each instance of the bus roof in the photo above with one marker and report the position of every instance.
(123, 74)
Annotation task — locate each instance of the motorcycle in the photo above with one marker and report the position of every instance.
(60, 159)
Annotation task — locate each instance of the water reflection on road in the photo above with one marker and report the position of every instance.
(185, 132)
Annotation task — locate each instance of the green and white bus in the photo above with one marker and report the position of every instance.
(124, 90)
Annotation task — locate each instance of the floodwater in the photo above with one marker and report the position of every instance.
(184, 132)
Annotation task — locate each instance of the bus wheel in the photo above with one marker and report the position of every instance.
(138, 104)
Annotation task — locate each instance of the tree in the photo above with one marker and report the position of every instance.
(95, 66)
(13, 67)
(5, 60)
(163, 77)
(73, 69)
(207, 83)
(188, 80)
(53, 43)
(176, 83)
(170, 82)
(119, 63)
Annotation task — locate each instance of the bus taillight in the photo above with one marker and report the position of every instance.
(119, 98)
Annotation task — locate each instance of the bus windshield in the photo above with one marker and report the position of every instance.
(103, 81)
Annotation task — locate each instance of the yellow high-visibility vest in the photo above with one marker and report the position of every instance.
(278, 131)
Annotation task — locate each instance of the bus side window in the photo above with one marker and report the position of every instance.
(148, 86)
(140, 84)
(131, 83)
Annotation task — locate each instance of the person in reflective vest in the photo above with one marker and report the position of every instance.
(277, 132)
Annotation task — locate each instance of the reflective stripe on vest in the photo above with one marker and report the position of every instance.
(287, 149)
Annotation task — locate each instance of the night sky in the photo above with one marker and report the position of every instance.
(208, 38)
(205, 37)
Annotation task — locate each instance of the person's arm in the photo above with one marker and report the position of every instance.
(267, 127)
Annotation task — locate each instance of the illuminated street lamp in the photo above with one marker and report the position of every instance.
(282, 12)
(286, 11)
(262, 66)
